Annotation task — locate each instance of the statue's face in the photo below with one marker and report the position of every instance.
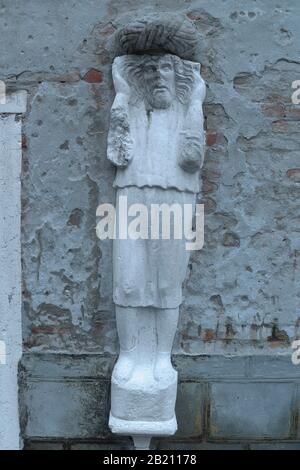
(159, 80)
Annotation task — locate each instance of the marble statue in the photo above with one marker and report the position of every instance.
(156, 141)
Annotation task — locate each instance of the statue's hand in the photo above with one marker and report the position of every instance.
(119, 148)
(191, 152)
(120, 83)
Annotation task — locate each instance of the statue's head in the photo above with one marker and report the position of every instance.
(159, 79)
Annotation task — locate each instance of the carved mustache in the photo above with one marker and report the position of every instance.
(160, 88)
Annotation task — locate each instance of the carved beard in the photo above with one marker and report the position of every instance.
(160, 98)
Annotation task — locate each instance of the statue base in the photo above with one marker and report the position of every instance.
(142, 398)
(142, 428)
(142, 405)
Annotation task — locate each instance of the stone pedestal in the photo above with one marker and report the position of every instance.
(143, 405)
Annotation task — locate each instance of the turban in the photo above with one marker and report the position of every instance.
(172, 34)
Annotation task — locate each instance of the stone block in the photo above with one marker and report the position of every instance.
(166, 444)
(250, 410)
(66, 408)
(43, 445)
(190, 409)
(275, 446)
(122, 444)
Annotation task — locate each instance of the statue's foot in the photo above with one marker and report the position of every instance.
(124, 367)
(163, 370)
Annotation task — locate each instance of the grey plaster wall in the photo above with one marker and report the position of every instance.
(242, 289)
(241, 294)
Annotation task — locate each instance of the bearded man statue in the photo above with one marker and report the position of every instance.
(156, 141)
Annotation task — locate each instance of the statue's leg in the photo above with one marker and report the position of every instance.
(128, 337)
(166, 325)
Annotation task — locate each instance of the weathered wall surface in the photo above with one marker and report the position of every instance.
(242, 290)
(11, 109)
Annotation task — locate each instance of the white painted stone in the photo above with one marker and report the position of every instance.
(156, 141)
(14, 103)
(141, 442)
(10, 267)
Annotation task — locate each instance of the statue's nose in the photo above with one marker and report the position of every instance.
(158, 74)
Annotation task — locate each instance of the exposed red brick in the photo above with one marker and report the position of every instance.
(43, 329)
(93, 76)
(274, 110)
(24, 141)
(50, 330)
(294, 174)
(208, 187)
(211, 175)
(279, 110)
(275, 98)
(280, 126)
(293, 113)
(288, 126)
(209, 335)
(211, 139)
(75, 217)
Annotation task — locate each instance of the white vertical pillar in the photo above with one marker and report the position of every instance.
(10, 266)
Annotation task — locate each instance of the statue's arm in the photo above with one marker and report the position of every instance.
(192, 137)
(119, 142)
